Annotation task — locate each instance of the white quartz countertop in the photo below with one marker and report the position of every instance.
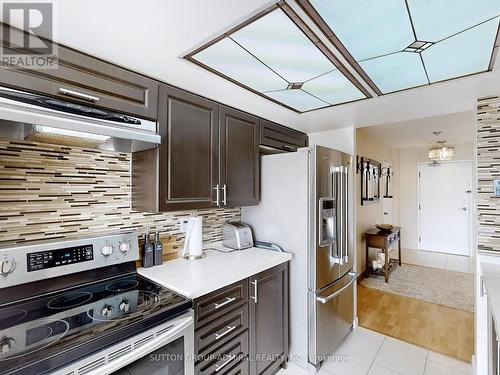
(491, 280)
(195, 278)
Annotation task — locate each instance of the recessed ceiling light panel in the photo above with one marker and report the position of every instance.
(273, 56)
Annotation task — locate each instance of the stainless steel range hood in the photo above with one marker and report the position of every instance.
(25, 116)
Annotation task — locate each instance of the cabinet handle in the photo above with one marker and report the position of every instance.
(221, 335)
(217, 200)
(79, 95)
(498, 357)
(228, 300)
(288, 148)
(225, 363)
(254, 283)
(224, 197)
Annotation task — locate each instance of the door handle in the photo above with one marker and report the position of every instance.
(224, 196)
(463, 209)
(254, 283)
(217, 200)
(335, 294)
(78, 95)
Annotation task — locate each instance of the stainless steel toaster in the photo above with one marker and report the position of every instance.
(236, 235)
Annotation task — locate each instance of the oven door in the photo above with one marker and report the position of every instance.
(164, 349)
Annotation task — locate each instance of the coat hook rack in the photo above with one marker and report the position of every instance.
(370, 171)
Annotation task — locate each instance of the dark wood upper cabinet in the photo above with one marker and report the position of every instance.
(269, 320)
(86, 80)
(239, 158)
(280, 137)
(189, 153)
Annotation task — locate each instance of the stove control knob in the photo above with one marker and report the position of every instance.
(125, 247)
(107, 250)
(6, 345)
(107, 311)
(7, 266)
(125, 306)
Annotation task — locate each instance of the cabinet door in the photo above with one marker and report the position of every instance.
(189, 150)
(84, 79)
(269, 320)
(239, 158)
(281, 137)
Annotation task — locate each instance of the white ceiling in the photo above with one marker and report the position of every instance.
(151, 36)
(456, 128)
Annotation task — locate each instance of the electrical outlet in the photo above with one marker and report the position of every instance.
(184, 225)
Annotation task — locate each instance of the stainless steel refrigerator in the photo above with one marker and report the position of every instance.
(307, 208)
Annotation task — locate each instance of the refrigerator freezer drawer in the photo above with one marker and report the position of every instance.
(332, 315)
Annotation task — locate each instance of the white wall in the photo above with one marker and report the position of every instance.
(369, 214)
(338, 139)
(408, 199)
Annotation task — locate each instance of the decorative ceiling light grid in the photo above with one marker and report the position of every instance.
(392, 45)
(272, 56)
(400, 44)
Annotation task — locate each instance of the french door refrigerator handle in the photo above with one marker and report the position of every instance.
(337, 182)
(345, 205)
(354, 276)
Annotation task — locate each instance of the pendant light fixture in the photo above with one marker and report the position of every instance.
(441, 151)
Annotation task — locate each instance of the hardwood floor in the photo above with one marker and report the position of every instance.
(435, 327)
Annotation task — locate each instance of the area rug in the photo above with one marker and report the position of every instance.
(448, 288)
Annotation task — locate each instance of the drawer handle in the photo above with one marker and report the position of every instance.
(227, 301)
(225, 363)
(228, 330)
(79, 95)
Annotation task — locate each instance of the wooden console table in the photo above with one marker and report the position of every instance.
(383, 240)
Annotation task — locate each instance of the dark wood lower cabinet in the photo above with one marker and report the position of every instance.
(269, 320)
(243, 332)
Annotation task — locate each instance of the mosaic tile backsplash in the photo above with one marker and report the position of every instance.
(51, 191)
(488, 170)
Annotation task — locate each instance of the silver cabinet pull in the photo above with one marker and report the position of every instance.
(224, 196)
(78, 95)
(227, 301)
(335, 294)
(228, 330)
(254, 283)
(289, 148)
(217, 198)
(225, 363)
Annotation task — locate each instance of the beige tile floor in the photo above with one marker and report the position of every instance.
(369, 353)
(430, 259)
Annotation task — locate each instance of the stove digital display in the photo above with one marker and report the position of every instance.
(59, 257)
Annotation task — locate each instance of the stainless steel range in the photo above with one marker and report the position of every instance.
(79, 307)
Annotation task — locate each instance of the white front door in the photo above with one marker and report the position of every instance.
(444, 207)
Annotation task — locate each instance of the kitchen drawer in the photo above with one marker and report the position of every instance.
(220, 302)
(221, 330)
(225, 358)
(281, 137)
(241, 368)
(89, 80)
